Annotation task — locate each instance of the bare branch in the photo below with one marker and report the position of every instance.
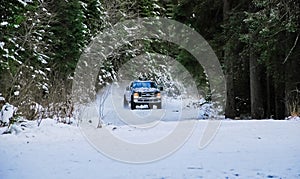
(103, 98)
(291, 50)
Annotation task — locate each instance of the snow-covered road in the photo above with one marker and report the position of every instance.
(241, 149)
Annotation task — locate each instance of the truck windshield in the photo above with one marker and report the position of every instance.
(147, 84)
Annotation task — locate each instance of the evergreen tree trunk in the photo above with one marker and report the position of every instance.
(279, 84)
(230, 96)
(279, 93)
(270, 97)
(257, 92)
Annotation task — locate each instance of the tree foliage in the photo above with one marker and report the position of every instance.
(256, 41)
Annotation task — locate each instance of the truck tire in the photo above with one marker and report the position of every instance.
(158, 105)
(150, 106)
(125, 102)
(132, 104)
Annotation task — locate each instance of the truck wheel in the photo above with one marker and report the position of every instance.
(132, 104)
(158, 105)
(150, 106)
(125, 102)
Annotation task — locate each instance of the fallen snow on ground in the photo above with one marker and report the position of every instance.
(241, 149)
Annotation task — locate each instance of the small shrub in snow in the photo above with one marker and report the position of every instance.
(7, 114)
(293, 103)
(293, 118)
(207, 109)
(13, 129)
(16, 125)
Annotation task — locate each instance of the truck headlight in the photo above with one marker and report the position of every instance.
(158, 95)
(135, 95)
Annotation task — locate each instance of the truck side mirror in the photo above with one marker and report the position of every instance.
(127, 88)
(161, 88)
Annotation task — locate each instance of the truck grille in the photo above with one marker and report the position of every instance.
(147, 95)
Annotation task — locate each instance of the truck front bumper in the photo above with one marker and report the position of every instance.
(147, 100)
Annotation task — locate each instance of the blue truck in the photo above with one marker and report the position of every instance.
(143, 93)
